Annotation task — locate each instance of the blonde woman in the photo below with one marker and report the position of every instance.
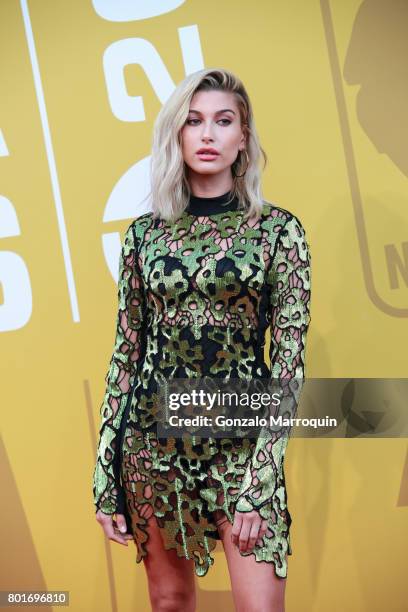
(202, 277)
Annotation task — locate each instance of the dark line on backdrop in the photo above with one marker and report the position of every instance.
(351, 166)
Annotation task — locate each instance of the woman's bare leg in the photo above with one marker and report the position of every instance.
(255, 586)
(171, 579)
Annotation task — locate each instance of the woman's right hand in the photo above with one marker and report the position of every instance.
(248, 530)
(114, 529)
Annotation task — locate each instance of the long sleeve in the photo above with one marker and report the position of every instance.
(289, 277)
(120, 376)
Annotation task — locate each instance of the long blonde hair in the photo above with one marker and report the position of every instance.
(170, 190)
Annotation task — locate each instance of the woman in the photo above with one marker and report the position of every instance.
(201, 278)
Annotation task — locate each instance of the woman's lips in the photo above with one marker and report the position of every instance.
(207, 156)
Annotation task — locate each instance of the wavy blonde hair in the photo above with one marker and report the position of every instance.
(170, 190)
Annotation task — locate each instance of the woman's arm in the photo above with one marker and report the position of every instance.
(121, 373)
(289, 277)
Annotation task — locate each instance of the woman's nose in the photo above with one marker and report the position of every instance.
(207, 132)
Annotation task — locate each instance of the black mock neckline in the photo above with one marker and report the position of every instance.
(199, 205)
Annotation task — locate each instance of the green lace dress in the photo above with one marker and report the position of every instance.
(195, 299)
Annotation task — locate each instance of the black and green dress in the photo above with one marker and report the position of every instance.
(196, 298)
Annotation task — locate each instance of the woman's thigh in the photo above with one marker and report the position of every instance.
(255, 586)
(171, 579)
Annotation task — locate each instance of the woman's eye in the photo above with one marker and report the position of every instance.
(191, 121)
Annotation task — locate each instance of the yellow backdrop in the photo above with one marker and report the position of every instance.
(81, 85)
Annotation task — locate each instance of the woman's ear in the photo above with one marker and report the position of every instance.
(243, 138)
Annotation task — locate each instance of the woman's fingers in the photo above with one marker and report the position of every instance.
(245, 529)
(120, 525)
(244, 533)
(108, 525)
(253, 534)
(263, 529)
(236, 528)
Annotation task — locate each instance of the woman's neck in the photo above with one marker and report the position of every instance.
(206, 205)
(210, 186)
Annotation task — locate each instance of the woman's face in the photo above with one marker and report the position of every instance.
(213, 122)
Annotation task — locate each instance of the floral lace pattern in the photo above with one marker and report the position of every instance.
(196, 299)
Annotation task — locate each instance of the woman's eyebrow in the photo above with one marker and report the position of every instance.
(224, 110)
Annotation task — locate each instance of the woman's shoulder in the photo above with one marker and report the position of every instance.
(278, 216)
(140, 224)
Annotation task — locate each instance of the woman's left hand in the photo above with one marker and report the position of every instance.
(248, 529)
